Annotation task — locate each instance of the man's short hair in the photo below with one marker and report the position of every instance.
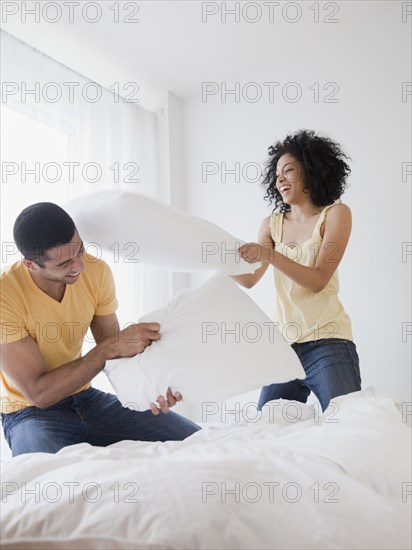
(42, 226)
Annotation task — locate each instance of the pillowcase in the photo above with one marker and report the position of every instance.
(216, 343)
(144, 230)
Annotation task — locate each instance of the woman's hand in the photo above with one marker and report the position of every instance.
(254, 252)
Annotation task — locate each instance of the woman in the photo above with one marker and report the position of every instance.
(305, 239)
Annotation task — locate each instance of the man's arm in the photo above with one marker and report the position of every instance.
(24, 364)
(104, 326)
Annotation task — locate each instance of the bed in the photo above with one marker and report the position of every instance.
(287, 477)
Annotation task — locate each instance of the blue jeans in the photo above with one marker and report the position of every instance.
(331, 366)
(91, 416)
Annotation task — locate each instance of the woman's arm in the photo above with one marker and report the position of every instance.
(338, 225)
(264, 240)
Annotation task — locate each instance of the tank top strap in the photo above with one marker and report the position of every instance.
(323, 215)
(276, 221)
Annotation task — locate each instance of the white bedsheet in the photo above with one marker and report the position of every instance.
(293, 480)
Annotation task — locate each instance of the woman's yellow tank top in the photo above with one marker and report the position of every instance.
(303, 315)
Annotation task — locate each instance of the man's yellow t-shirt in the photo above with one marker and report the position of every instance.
(58, 328)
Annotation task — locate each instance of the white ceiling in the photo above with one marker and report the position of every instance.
(171, 48)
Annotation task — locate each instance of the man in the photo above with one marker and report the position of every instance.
(48, 301)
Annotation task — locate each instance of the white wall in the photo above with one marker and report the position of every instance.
(373, 126)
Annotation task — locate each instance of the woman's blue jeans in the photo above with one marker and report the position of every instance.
(91, 416)
(331, 366)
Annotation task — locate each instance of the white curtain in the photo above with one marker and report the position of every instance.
(64, 136)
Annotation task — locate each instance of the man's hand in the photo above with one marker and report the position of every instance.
(132, 340)
(164, 404)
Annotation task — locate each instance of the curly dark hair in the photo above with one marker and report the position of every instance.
(324, 169)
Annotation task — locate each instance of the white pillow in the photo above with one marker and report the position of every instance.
(145, 230)
(216, 343)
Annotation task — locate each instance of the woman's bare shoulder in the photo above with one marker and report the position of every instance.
(339, 211)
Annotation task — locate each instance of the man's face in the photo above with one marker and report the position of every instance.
(63, 263)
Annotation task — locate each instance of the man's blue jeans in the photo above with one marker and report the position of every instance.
(331, 366)
(91, 416)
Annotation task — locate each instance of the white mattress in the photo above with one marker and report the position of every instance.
(288, 480)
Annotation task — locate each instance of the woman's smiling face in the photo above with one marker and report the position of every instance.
(289, 178)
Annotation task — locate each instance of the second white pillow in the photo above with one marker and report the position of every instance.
(216, 343)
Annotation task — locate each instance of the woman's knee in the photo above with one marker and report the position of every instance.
(295, 390)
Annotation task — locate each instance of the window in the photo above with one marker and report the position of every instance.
(60, 150)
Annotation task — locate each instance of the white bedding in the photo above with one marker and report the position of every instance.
(358, 454)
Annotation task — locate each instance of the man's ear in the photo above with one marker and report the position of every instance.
(31, 266)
